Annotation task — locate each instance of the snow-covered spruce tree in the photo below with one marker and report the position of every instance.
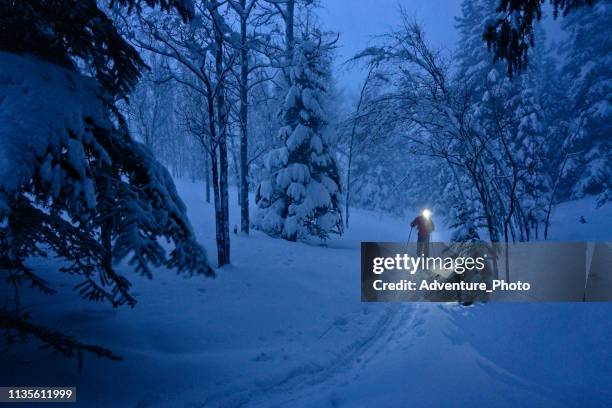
(512, 33)
(300, 197)
(531, 147)
(508, 116)
(588, 69)
(73, 184)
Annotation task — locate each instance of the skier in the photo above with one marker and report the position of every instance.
(425, 226)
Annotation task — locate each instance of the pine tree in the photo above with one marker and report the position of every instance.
(512, 33)
(508, 117)
(73, 183)
(301, 195)
(588, 69)
(473, 58)
(482, 88)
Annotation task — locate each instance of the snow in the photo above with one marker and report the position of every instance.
(265, 189)
(292, 96)
(316, 144)
(318, 193)
(296, 191)
(311, 103)
(284, 326)
(296, 172)
(39, 101)
(299, 136)
(565, 225)
(277, 157)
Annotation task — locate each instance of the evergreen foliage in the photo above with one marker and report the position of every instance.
(73, 184)
(511, 32)
(588, 71)
(301, 195)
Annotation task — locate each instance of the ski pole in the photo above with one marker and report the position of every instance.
(409, 236)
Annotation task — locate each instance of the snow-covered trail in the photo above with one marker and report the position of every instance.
(325, 348)
(284, 326)
(309, 379)
(283, 317)
(348, 334)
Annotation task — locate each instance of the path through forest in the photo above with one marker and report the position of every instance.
(284, 326)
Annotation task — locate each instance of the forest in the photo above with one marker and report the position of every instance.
(215, 137)
(455, 131)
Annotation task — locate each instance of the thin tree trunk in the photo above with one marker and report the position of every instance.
(351, 146)
(552, 195)
(218, 211)
(289, 37)
(207, 170)
(348, 187)
(510, 211)
(215, 180)
(484, 199)
(212, 127)
(222, 116)
(223, 189)
(244, 139)
(235, 153)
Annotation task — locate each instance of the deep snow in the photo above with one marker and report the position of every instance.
(284, 326)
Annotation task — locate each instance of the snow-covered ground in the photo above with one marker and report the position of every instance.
(283, 326)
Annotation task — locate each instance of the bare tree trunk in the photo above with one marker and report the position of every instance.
(508, 218)
(207, 170)
(223, 190)
(348, 186)
(244, 139)
(235, 153)
(222, 118)
(485, 201)
(289, 37)
(553, 193)
(352, 145)
(215, 180)
(218, 211)
(350, 162)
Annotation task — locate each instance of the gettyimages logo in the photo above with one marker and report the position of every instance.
(467, 272)
(413, 264)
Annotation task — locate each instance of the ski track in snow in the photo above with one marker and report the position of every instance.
(284, 326)
(306, 380)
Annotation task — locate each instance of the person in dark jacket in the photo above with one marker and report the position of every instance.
(425, 227)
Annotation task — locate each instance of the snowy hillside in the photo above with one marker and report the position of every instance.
(284, 326)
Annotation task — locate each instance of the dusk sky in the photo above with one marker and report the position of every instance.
(358, 21)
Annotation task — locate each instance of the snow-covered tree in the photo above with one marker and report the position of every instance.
(512, 33)
(153, 118)
(72, 181)
(484, 128)
(509, 115)
(202, 63)
(301, 195)
(472, 57)
(588, 70)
